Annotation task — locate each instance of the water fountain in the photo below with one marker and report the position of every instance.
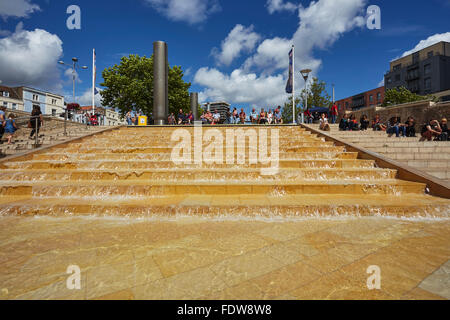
(130, 172)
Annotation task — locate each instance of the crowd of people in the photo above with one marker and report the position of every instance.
(133, 118)
(432, 130)
(231, 117)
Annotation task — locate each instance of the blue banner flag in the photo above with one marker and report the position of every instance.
(289, 85)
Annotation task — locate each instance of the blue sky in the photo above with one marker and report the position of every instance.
(231, 50)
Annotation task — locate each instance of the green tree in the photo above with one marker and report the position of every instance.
(402, 95)
(286, 112)
(129, 86)
(317, 97)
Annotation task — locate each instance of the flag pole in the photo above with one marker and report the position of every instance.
(293, 84)
(93, 81)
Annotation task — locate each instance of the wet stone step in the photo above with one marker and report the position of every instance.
(199, 175)
(139, 188)
(149, 164)
(215, 207)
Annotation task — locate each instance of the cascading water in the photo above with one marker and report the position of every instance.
(137, 177)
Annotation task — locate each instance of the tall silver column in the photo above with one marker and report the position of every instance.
(160, 83)
(194, 105)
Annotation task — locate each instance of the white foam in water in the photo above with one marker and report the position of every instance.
(237, 218)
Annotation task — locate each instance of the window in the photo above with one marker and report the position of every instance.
(5, 104)
(14, 106)
(378, 96)
(397, 67)
(416, 57)
(427, 69)
(35, 97)
(371, 98)
(54, 101)
(389, 80)
(53, 112)
(397, 77)
(6, 94)
(428, 83)
(430, 54)
(346, 105)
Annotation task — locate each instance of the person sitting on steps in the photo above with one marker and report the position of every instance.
(444, 135)
(431, 130)
(377, 125)
(410, 127)
(324, 125)
(343, 125)
(364, 123)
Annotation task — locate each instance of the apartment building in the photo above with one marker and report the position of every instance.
(9, 98)
(423, 72)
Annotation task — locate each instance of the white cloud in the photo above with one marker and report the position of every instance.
(30, 58)
(320, 26)
(17, 8)
(69, 76)
(279, 5)
(271, 55)
(240, 87)
(192, 11)
(239, 40)
(429, 42)
(86, 98)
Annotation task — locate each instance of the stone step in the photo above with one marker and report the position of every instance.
(441, 173)
(401, 144)
(158, 150)
(388, 150)
(62, 156)
(244, 206)
(139, 188)
(425, 164)
(215, 174)
(149, 164)
(417, 156)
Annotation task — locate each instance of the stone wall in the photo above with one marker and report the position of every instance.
(422, 111)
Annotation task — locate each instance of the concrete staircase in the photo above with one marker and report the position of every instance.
(431, 157)
(48, 135)
(132, 172)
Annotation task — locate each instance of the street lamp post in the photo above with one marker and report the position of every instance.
(305, 74)
(74, 67)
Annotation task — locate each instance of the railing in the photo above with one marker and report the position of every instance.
(52, 123)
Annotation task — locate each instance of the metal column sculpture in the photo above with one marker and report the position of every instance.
(160, 83)
(194, 105)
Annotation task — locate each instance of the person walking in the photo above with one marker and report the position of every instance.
(128, 116)
(36, 121)
(2, 119)
(334, 113)
(10, 127)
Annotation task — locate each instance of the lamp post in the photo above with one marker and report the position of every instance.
(74, 67)
(305, 74)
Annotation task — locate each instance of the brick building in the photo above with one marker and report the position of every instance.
(369, 98)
